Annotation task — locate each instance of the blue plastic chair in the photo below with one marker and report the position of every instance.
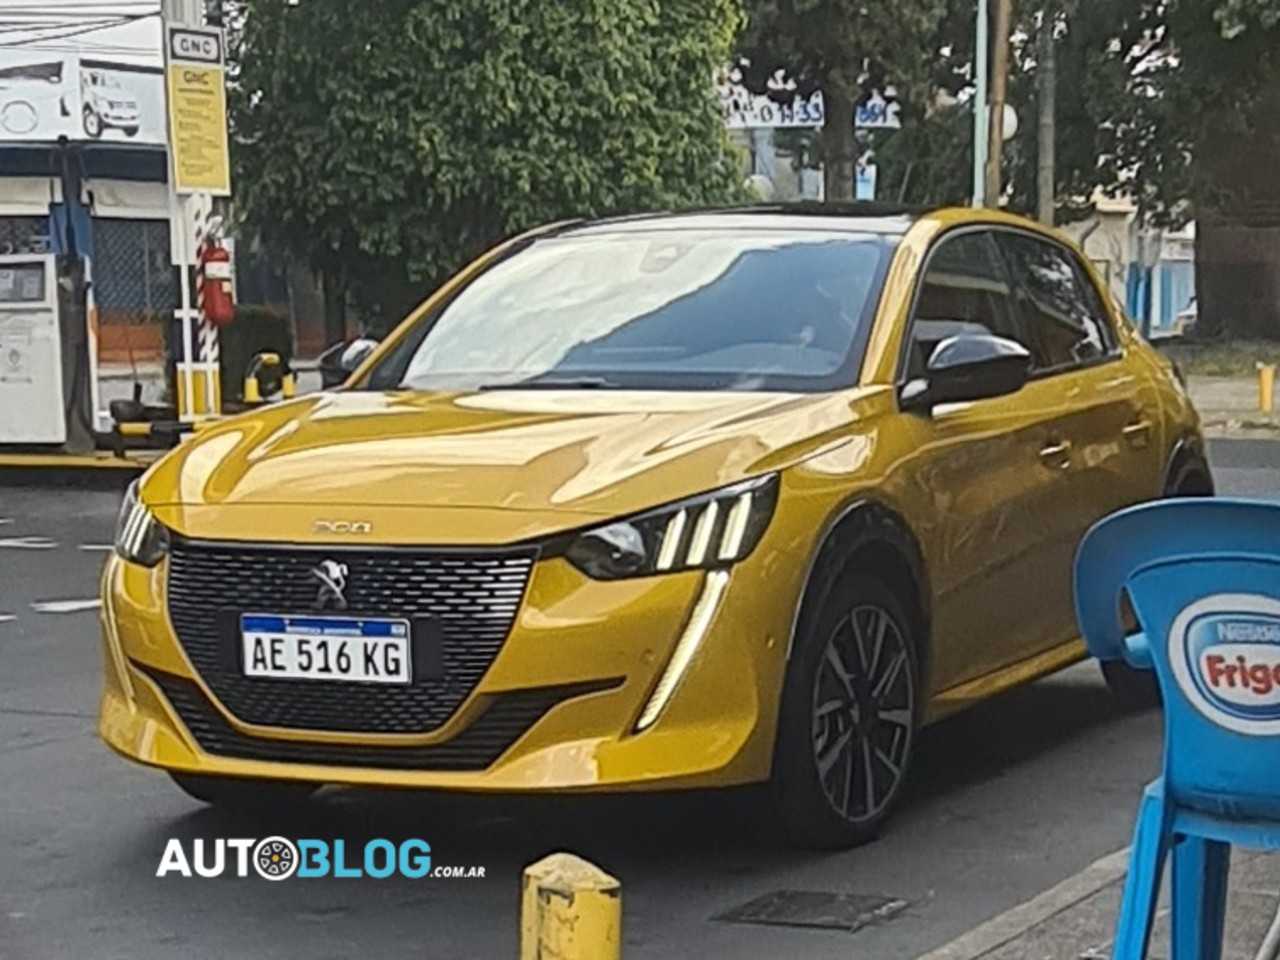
(1203, 577)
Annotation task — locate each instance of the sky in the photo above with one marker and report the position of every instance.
(123, 30)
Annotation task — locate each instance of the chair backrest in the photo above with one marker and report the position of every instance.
(1203, 576)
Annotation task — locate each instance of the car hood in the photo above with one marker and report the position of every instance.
(582, 453)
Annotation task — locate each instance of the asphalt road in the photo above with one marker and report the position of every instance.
(1007, 800)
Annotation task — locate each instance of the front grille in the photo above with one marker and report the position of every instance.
(470, 600)
(504, 721)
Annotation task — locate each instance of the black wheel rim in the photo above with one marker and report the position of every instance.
(863, 713)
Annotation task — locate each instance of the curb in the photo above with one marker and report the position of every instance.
(1241, 432)
(1007, 927)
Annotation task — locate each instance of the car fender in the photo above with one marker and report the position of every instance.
(857, 524)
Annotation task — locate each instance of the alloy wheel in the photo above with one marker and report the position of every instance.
(863, 713)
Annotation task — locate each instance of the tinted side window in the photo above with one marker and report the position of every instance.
(965, 289)
(1059, 308)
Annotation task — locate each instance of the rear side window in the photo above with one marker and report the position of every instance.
(965, 289)
(1058, 305)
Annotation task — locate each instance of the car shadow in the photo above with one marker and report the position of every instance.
(731, 829)
(996, 735)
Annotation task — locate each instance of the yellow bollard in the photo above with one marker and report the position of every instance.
(1266, 387)
(570, 910)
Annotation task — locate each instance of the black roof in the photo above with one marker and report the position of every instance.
(857, 216)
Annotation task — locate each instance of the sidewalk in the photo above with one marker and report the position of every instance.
(1076, 919)
(1229, 408)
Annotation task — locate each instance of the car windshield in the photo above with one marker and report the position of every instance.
(692, 310)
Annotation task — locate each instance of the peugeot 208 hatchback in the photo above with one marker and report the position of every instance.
(667, 501)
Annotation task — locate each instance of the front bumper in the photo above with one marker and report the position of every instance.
(556, 710)
(116, 117)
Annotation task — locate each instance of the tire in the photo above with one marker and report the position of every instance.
(236, 793)
(850, 705)
(1189, 478)
(92, 123)
(1134, 691)
(1139, 690)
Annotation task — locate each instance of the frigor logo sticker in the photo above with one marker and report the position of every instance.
(1225, 653)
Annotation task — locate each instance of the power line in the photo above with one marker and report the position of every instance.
(85, 8)
(42, 28)
(71, 16)
(81, 30)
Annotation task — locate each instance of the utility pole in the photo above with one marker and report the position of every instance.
(981, 113)
(1047, 94)
(999, 86)
(197, 390)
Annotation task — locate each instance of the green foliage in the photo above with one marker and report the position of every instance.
(846, 49)
(1235, 16)
(391, 141)
(1172, 104)
(256, 330)
(929, 161)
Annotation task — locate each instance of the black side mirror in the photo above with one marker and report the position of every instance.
(969, 366)
(340, 360)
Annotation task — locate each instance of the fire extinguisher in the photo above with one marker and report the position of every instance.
(217, 300)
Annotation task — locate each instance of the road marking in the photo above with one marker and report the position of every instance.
(1007, 927)
(29, 543)
(98, 547)
(65, 606)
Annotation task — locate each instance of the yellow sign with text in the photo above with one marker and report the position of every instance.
(198, 129)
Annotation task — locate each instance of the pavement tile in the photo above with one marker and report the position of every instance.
(1084, 931)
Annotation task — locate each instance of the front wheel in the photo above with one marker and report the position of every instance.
(849, 716)
(242, 793)
(92, 123)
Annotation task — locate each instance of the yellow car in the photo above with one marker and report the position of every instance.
(670, 501)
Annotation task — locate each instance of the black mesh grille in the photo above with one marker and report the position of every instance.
(469, 601)
(504, 721)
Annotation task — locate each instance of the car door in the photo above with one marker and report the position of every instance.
(982, 468)
(1102, 442)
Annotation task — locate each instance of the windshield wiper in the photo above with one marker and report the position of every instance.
(555, 383)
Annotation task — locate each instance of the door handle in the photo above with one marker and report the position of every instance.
(1138, 433)
(1056, 454)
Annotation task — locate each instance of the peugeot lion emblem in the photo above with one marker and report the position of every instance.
(333, 585)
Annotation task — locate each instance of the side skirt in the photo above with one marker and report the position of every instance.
(961, 696)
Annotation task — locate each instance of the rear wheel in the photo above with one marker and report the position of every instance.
(236, 793)
(849, 715)
(1138, 689)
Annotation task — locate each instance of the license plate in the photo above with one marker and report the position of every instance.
(326, 648)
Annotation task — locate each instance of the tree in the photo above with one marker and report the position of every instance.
(1181, 112)
(846, 49)
(387, 142)
(1202, 145)
(1175, 105)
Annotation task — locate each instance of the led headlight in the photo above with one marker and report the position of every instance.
(139, 536)
(705, 532)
